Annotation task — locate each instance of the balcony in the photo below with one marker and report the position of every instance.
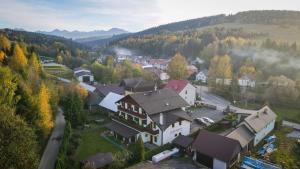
(133, 124)
(129, 111)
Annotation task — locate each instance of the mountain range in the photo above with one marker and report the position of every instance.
(79, 35)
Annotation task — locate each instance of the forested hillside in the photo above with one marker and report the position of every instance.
(73, 54)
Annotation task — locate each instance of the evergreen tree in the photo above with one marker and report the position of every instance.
(18, 59)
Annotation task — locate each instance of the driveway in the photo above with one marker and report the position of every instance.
(167, 164)
(50, 153)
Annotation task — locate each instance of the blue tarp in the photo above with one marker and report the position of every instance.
(252, 163)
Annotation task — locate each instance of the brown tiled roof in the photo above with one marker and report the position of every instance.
(121, 129)
(105, 89)
(241, 134)
(216, 146)
(137, 84)
(159, 101)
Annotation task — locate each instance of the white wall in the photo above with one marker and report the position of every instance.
(80, 78)
(265, 131)
(189, 94)
(219, 164)
(169, 133)
(201, 77)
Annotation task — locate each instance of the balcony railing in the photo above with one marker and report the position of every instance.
(143, 116)
(133, 124)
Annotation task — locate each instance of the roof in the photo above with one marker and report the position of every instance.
(170, 117)
(159, 61)
(137, 84)
(204, 71)
(105, 89)
(257, 121)
(158, 101)
(247, 77)
(80, 68)
(216, 146)
(183, 141)
(109, 101)
(177, 85)
(99, 160)
(121, 129)
(241, 134)
(94, 98)
(87, 87)
(83, 74)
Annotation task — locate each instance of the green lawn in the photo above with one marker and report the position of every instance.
(92, 143)
(291, 114)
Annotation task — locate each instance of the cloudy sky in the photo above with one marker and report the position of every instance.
(132, 15)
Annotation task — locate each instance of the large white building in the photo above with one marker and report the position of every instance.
(83, 75)
(246, 81)
(184, 89)
(157, 116)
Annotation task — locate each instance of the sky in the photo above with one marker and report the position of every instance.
(131, 15)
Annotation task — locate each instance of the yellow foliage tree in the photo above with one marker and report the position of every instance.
(18, 59)
(177, 68)
(45, 120)
(4, 43)
(34, 62)
(247, 68)
(2, 56)
(220, 67)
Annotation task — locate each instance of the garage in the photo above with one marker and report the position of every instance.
(205, 160)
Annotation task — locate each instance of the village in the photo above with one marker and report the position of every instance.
(175, 120)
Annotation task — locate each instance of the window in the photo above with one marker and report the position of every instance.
(136, 119)
(146, 135)
(186, 92)
(155, 138)
(180, 133)
(126, 105)
(135, 108)
(173, 125)
(175, 135)
(180, 123)
(144, 122)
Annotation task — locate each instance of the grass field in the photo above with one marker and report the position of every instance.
(290, 114)
(59, 70)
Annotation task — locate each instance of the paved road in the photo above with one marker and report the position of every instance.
(52, 148)
(219, 102)
(291, 124)
(167, 164)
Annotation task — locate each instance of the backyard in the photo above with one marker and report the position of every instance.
(91, 140)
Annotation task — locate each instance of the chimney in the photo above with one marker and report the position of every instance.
(161, 119)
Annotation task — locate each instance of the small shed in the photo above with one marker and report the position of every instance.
(184, 143)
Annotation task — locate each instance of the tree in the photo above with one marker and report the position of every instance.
(8, 86)
(4, 43)
(73, 108)
(139, 150)
(109, 61)
(18, 146)
(220, 67)
(18, 59)
(177, 68)
(34, 62)
(2, 56)
(45, 121)
(281, 90)
(59, 59)
(247, 68)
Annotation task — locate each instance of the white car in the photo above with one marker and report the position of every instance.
(208, 119)
(201, 120)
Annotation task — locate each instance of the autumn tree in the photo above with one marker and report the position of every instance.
(177, 68)
(109, 61)
(281, 90)
(45, 121)
(34, 62)
(2, 56)
(248, 68)
(59, 59)
(220, 67)
(4, 43)
(18, 59)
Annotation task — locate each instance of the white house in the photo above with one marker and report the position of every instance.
(161, 64)
(246, 81)
(184, 89)
(223, 81)
(109, 101)
(202, 76)
(83, 75)
(260, 123)
(157, 116)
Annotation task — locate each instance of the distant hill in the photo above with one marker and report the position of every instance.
(43, 44)
(81, 35)
(263, 17)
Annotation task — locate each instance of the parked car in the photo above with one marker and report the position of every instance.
(202, 121)
(208, 119)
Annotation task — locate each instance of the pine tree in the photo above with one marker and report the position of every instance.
(4, 43)
(34, 62)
